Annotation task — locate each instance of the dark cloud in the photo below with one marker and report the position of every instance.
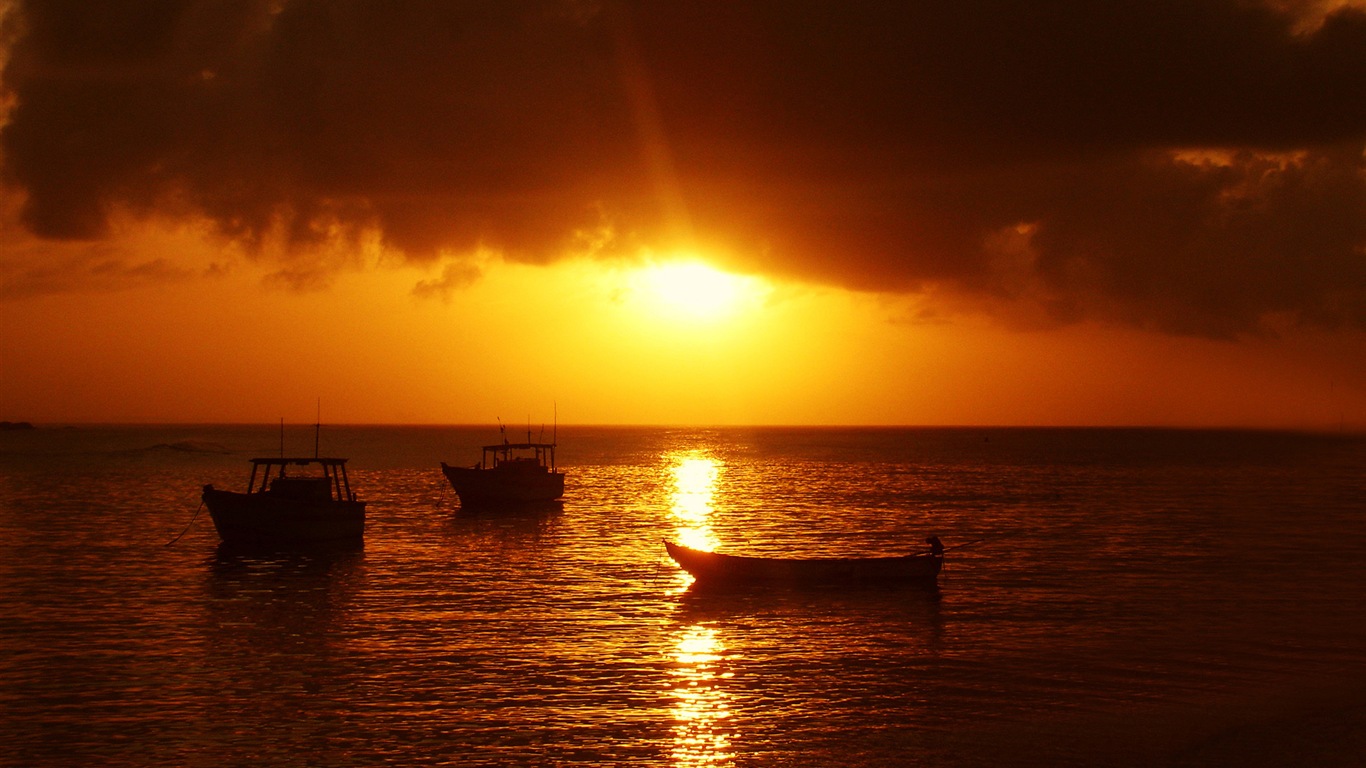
(454, 276)
(86, 268)
(1187, 165)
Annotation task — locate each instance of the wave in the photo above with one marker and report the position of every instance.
(180, 446)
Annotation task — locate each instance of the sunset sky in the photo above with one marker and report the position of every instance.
(1071, 212)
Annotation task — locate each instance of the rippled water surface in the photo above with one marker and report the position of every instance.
(1118, 597)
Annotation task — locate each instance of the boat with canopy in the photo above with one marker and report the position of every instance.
(509, 473)
(289, 501)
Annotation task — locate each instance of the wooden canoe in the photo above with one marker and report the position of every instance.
(738, 570)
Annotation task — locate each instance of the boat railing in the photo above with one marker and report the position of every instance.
(543, 454)
(275, 478)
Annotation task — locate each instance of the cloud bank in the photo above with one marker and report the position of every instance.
(1192, 166)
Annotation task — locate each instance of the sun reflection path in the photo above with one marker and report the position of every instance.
(694, 477)
(701, 704)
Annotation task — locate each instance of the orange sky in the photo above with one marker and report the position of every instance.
(422, 217)
(602, 345)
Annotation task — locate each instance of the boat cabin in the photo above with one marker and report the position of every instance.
(316, 479)
(519, 457)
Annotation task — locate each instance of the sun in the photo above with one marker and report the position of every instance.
(694, 290)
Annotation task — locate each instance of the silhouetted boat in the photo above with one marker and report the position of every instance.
(508, 473)
(714, 568)
(285, 509)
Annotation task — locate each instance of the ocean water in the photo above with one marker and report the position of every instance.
(1111, 597)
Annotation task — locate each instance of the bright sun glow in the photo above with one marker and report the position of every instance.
(691, 289)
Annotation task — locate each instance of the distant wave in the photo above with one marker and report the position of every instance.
(194, 446)
(181, 446)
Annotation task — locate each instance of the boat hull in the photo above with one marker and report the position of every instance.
(734, 570)
(261, 518)
(492, 487)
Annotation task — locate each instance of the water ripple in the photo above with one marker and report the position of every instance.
(1115, 582)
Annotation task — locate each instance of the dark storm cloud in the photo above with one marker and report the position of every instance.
(1025, 153)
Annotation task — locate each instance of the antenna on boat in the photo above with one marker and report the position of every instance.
(555, 425)
(528, 427)
(317, 428)
(502, 430)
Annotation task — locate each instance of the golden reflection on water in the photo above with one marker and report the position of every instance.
(694, 484)
(701, 704)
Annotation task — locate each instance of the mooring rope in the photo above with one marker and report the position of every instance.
(187, 527)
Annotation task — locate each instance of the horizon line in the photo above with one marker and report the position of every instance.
(1342, 429)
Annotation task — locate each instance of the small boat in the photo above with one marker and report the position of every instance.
(508, 473)
(315, 507)
(714, 568)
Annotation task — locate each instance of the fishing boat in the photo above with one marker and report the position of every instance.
(508, 473)
(715, 568)
(289, 501)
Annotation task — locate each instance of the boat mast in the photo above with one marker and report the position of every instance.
(317, 428)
